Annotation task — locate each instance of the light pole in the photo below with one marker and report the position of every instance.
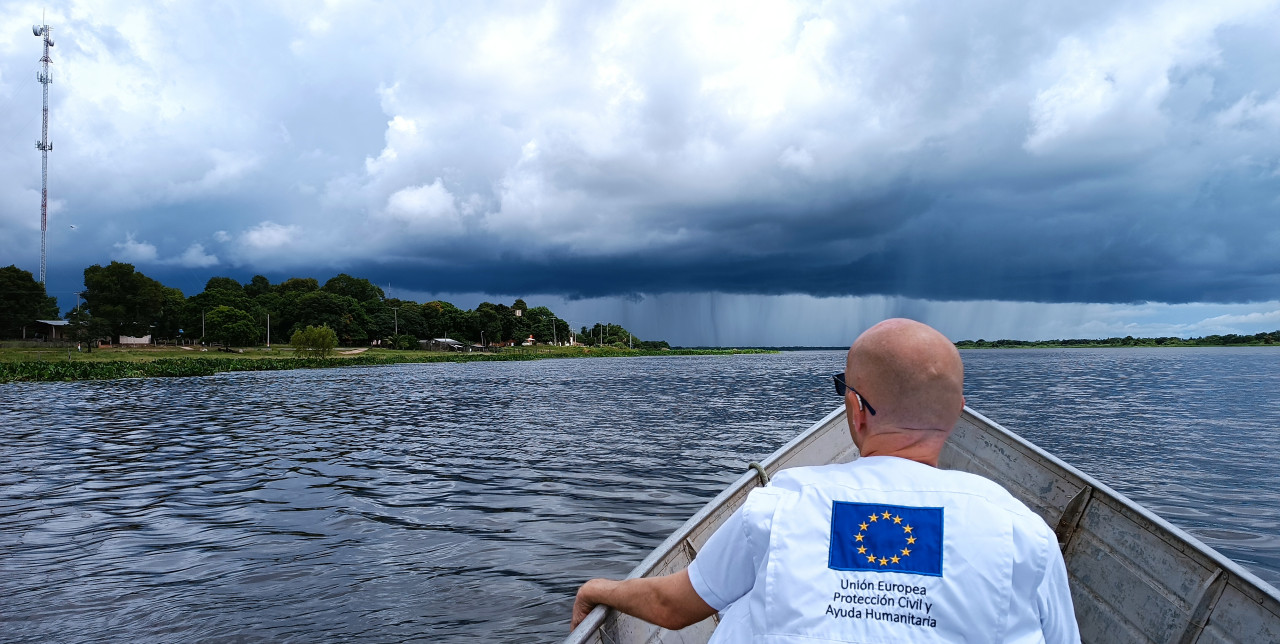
(268, 330)
(396, 312)
(553, 331)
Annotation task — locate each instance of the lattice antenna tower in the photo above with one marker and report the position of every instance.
(43, 145)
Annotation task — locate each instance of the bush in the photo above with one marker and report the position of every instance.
(314, 341)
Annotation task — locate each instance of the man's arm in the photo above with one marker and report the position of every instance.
(669, 601)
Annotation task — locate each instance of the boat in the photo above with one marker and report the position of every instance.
(1134, 576)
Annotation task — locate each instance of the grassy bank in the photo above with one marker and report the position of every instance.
(43, 364)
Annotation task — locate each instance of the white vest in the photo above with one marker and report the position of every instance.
(934, 565)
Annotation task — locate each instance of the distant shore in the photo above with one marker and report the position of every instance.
(40, 364)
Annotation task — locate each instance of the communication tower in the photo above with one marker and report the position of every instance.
(43, 145)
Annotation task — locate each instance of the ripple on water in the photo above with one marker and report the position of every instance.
(466, 502)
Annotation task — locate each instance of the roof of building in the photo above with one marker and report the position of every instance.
(54, 322)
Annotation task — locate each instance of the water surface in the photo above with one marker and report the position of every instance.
(467, 501)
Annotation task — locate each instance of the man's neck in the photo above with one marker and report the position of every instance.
(906, 444)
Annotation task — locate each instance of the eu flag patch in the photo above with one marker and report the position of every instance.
(886, 538)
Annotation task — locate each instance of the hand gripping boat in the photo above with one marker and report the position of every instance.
(1134, 576)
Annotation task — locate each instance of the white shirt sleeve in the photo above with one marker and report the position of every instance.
(1053, 598)
(726, 567)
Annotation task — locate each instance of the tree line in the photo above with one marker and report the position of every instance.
(118, 300)
(1228, 339)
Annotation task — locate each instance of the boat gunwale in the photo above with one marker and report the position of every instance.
(1239, 577)
(1222, 561)
(596, 617)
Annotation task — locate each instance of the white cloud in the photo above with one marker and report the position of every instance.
(425, 208)
(269, 235)
(141, 252)
(1228, 323)
(135, 252)
(796, 158)
(196, 257)
(226, 168)
(1249, 112)
(222, 236)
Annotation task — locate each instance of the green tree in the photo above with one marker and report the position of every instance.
(172, 316)
(444, 320)
(340, 313)
(22, 301)
(231, 327)
(223, 284)
(407, 318)
(257, 286)
(358, 288)
(608, 334)
(381, 319)
(485, 324)
(314, 341)
(85, 328)
(218, 292)
(129, 302)
(298, 285)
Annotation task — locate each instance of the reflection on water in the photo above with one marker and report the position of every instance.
(450, 501)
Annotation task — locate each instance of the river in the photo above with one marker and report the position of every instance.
(466, 502)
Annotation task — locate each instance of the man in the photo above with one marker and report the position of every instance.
(887, 548)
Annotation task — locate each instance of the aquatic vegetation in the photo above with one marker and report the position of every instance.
(64, 370)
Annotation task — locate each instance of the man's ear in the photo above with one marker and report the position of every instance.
(857, 420)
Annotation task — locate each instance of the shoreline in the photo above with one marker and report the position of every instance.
(136, 364)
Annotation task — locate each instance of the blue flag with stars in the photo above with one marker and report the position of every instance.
(886, 538)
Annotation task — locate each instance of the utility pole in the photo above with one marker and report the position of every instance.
(396, 313)
(553, 332)
(44, 145)
(268, 330)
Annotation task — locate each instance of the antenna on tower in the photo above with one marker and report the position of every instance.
(44, 145)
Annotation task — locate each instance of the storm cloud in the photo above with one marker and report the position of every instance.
(1096, 152)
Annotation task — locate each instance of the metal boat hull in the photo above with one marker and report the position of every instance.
(1134, 576)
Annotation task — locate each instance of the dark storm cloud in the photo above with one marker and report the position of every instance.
(985, 150)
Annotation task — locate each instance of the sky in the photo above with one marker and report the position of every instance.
(736, 173)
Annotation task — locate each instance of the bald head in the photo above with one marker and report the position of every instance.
(910, 373)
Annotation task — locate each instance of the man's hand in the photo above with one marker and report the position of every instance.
(587, 599)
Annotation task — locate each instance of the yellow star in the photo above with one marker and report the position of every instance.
(873, 518)
(906, 551)
(894, 559)
(862, 550)
(886, 514)
(871, 558)
(906, 529)
(863, 525)
(897, 519)
(857, 537)
(883, 561)
(911, 540)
